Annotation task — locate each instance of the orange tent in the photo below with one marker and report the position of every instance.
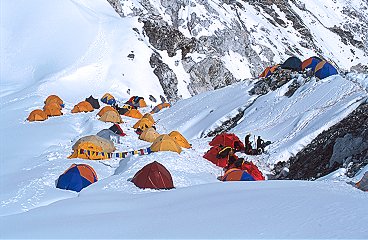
(106, 109)
(133, 113)
(83, 106)
(53, 98)
(142, 103)
(37, 115)
(160, 106)
(52, 109)
(143, 124)
(52, 105)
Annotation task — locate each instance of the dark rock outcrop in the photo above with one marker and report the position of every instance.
(343, 145)
(166, 76)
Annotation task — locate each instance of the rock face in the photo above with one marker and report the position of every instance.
(166, 76)
(224, 41)
(343, 145)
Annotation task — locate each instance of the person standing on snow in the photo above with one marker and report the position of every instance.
(260, 145)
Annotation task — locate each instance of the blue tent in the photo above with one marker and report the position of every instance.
(324, 69)
(77, 177)
(311, 63)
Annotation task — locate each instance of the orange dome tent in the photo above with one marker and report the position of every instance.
(37, 115)
(134, 113)
(55, 99)
(160, 106)
(83, 106)
(106, 109)
(52, 109)
(52, 105)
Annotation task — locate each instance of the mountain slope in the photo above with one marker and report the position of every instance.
(221, 42)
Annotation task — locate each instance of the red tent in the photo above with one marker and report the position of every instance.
(153, 175)
(228, 140)
(250, 168)
(211, 156)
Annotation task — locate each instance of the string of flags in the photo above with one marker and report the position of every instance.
(140, 152)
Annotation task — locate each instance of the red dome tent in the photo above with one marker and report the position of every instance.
(228, 140)
(153, 175)
(211, 155)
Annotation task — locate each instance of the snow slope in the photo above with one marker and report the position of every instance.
(33, 155)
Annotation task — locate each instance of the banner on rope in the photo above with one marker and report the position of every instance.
(140, 152)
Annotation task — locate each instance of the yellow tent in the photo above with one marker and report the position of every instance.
(106, 109)
(180, 139)
(111, 116)
(143, 124)
(83, 106)
(149, 117)
(94, 144)
(149, 135)
(165, 143)
(37, 115)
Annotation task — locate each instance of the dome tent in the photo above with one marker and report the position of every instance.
(235, 174)
(292, 63)
(93, 101)
(180, 139)
(165, 143)
(77, 177)
(111, 116)
(117, 129)
(37, 115)
(52, 109)
(154, 176)
(324, 69)
(83, 106)
(227, 140)
(149, 117)
(311, 63)
(159, 107)
(143, 123)
(149, 135)
(105, 109)
(108, 99)
(88, 147)
(54, 99)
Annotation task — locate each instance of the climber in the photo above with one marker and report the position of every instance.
(260, 145)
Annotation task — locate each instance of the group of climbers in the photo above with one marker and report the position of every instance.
(223, 153)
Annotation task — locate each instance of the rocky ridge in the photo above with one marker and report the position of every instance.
(252, 34)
